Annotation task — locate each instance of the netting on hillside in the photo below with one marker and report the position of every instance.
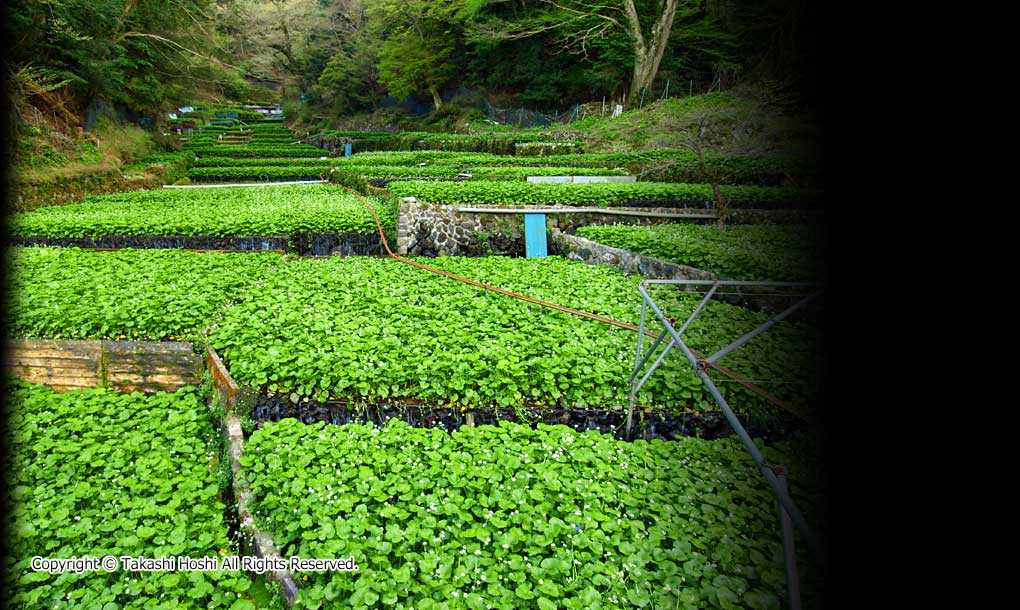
(523, 117)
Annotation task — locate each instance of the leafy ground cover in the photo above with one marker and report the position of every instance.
(282, 136)
(68, 293)
(455, 142)
(97, 472)
(517, 518)
(520, 173)
(664, 165)
(265, 172)
(429, 158)
(259, 162)
(264, 211)
(373, 329)
(366, 328)
(476, 173)
(603, 194)
(740, 252)
(283, 150)
(578, 160)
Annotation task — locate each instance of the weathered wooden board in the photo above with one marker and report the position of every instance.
(223, 383)
(145, 366)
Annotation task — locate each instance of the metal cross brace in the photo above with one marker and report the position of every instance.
(701, 364)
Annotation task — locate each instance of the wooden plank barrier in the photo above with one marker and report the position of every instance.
(129, 366)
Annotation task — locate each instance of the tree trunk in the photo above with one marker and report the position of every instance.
(435, 97)
(645, 68)
(648, 52)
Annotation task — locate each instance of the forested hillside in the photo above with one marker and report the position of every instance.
(68, 58)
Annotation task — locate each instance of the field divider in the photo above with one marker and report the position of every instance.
(127, 366)
(231, 397)
(240, 185)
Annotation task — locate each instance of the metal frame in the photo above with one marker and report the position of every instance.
(790, 515)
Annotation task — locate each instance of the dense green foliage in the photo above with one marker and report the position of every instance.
(513, 518)
(725, 169)
(477, 173)
(293, 150)
(448, 142)
(220, 162)
(740, 252)
(346, 56)
(521, 143)
(68, 293)
(540, 53)
(456, 159)
(98, 472)
(665, 165)
(138, 53)
(401, 171)
(521, 173)
(220, 112)
(261, 211)
(375, 328)
(258, 173)
(578, 160)
(546, 149)
(599, 194)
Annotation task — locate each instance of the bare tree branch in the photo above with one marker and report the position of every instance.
(179, 46)
(587, 13)
(498, 34)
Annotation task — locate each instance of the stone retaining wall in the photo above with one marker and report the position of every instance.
(445, 230)
(435, 230)
(581, 249)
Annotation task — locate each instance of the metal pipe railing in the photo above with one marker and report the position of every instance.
(790, 516)
(757, 331)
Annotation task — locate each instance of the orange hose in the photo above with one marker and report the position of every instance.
(577, 312)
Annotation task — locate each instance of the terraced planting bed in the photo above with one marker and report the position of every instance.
(514, 517)
(381, 175)
(277, 150)
(316, 217)
(149, 295)
(256, 153)
(206, 162)
(665, 165)
(739, 252)
(632, 194)
(97, 473)
(363, 329)
(259, 173)
(516, 143)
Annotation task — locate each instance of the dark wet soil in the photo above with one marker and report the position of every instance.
(648, 426)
